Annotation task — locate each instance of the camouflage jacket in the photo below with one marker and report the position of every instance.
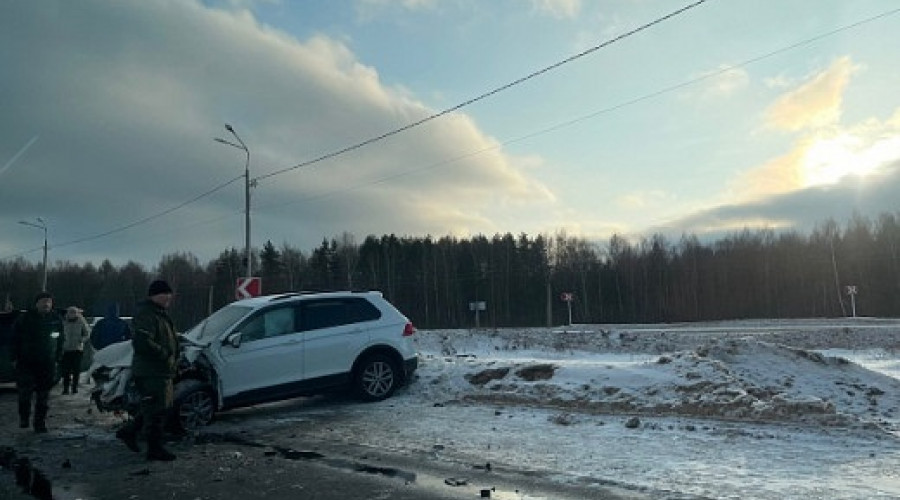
(155, 342)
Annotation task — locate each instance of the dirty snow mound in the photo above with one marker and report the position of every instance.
(735, 378)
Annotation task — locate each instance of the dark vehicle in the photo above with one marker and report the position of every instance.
(7, 319)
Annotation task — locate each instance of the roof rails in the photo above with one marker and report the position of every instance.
(288, 295)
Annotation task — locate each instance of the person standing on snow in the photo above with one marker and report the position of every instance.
(75, 333)
(110, 329)
(34, 353)
(153, 367)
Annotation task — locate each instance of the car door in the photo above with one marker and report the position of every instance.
(269, 357)
(333, 335)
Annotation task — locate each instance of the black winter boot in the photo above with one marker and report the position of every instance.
(128, 435)
(155, 451)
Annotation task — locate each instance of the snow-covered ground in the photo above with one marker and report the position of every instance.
(731, 410)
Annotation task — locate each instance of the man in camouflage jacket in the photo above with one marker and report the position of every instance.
(153, 367)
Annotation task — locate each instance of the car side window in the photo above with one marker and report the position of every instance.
(279, 322)
(359, 310)
(315, 314)
(271, 323)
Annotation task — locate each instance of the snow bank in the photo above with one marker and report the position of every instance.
(756, 373)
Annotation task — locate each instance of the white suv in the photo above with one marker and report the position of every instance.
(283, 346)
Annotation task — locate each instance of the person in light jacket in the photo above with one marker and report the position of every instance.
(75, 333)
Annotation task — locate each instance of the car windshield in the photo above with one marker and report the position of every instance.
(216, 324)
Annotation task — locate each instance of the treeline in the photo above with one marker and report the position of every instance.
(434, 281)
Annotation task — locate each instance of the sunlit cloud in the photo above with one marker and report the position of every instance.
(778, 82)
(407, 4)
(725, 81)
(369, 10)
(799, 210)
(826, 151)
(642, 200)
(561, 9)
(824, 157)
(722, 225)
(778, 175)
(815, 103)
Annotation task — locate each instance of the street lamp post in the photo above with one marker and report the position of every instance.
(40, 225)
(246, 150)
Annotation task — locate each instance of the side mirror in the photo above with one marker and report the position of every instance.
(233, 340)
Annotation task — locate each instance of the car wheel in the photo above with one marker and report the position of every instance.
(194, 405)
(376, 378)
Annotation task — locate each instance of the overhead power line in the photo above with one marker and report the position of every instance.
(396, 131)
(572, 121)
(486, 94)
(483, 96)
(593, 114)
(137, 222)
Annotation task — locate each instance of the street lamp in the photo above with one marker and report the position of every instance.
(243, 146)
(40, 225)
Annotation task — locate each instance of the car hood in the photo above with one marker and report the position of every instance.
(116, 355)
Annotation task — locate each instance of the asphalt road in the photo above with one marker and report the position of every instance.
(80, 459)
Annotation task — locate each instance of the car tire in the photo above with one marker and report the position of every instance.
(194, 405)
(376, 378)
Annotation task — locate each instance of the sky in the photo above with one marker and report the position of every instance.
(530, 116)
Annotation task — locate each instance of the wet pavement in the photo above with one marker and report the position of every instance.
(252, 455)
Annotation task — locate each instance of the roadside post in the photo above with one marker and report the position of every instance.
(477, 306)
(568, 297)
(852, 291)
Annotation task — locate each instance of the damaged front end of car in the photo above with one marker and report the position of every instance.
(195, 400)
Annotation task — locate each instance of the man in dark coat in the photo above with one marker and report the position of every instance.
(34, 353)
(153, 368)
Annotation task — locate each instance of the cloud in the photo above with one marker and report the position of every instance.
(407, 4)
(823, 157)
(724, 81)
(814, 104)
(367, 10)
(642, 200)
(799, 210)
(778, 82)
(729, 81)
(778, 175)
(127, 97)
(830, 169)
(560, 9)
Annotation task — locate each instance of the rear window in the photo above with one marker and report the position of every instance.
(324, 313)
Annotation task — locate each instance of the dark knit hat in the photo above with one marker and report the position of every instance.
(158, 287)
(42, 295)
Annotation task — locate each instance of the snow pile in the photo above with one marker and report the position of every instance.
(711, 374)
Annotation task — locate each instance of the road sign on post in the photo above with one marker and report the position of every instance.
(477, 306)
(568, 297)
(852, 291)
(248, 287)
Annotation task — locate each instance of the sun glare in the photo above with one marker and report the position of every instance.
(827, 161)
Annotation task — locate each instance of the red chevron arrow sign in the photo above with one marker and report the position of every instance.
(248, 287)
